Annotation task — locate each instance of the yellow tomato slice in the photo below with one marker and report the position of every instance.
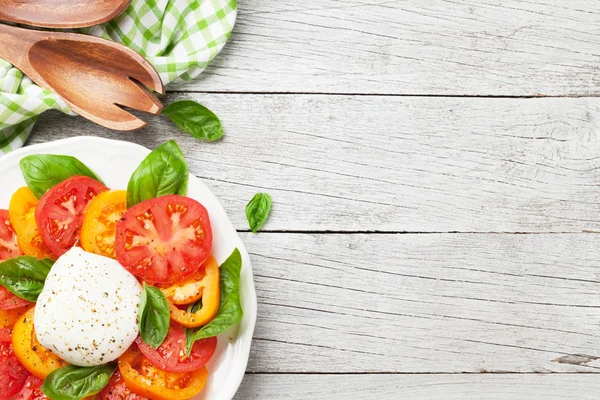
(9, 317)
(35, 358)
(207, 288)
(100, 222)
(144, 379)
(21, 213)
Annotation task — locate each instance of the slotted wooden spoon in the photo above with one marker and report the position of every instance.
(96, 77)
(61, 13)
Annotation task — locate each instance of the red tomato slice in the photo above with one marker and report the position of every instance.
(59, 214)
(9, 301)
(5, 336)
(9, 247)
(164, 240)
(32, 390)
(170, 356)
(117, 390)
(12, 373)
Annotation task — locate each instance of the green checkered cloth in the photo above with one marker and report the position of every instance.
(179, 37)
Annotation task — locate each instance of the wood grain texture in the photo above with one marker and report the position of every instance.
(445, 47)
(420, 387)
(60, 14)
(362, 315)
(371, 163)
(407, 303)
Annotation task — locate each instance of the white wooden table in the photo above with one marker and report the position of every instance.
(435, 171)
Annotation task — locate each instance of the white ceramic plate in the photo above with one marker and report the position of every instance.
(114, 161)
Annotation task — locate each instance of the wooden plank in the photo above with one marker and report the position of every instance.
(420, 387)
(426, 303)
(445, 47)
(371, 163)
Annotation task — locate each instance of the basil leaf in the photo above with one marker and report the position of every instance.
(194, 308)
(257, 211)
(75, 383)
(154, 316)
(195, 119)
(230, 308)
(24, 276)
(163, 172)
(42, 171)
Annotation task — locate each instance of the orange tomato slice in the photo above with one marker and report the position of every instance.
(206, 286)
(144, 379)
(35, 358)
(100, 222)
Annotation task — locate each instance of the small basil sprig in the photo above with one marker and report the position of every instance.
(163, 172)
(154, 316)
(75, 383)
(230, 307)
(24, 276)
(43, 171)
(257, 211)
(195, 119)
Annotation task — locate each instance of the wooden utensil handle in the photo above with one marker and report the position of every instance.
(15, 44)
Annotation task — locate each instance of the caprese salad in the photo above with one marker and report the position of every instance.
(110, 294)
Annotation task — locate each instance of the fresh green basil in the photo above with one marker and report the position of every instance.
(163, 172)
(257, 211)
(230, 308)
(154, 316)
(194, 308)
(195, 119)
(42, 171)
(25, 276)
(75, 383)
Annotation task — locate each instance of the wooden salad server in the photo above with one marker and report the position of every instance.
(96, 77)
(61, 13)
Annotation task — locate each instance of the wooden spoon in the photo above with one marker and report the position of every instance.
(95, 76)
(61, 13)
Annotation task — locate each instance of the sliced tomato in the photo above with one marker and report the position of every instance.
(144, 379)
(35, 358)
(8, 249)
(32, 390)
(21, 213)
(100, 222)
(208, 288)
(164, 240)
(117, 390)
(9, 301)
(9, 246)
(59, 214)
(9, 317)
(194, 287)
(12, 374)
(187, 291)
(171, 357)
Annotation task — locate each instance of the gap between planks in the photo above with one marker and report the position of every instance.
(375, 94)
(474, 373)
(374, 232)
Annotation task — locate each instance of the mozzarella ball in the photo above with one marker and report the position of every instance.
(87, 313)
